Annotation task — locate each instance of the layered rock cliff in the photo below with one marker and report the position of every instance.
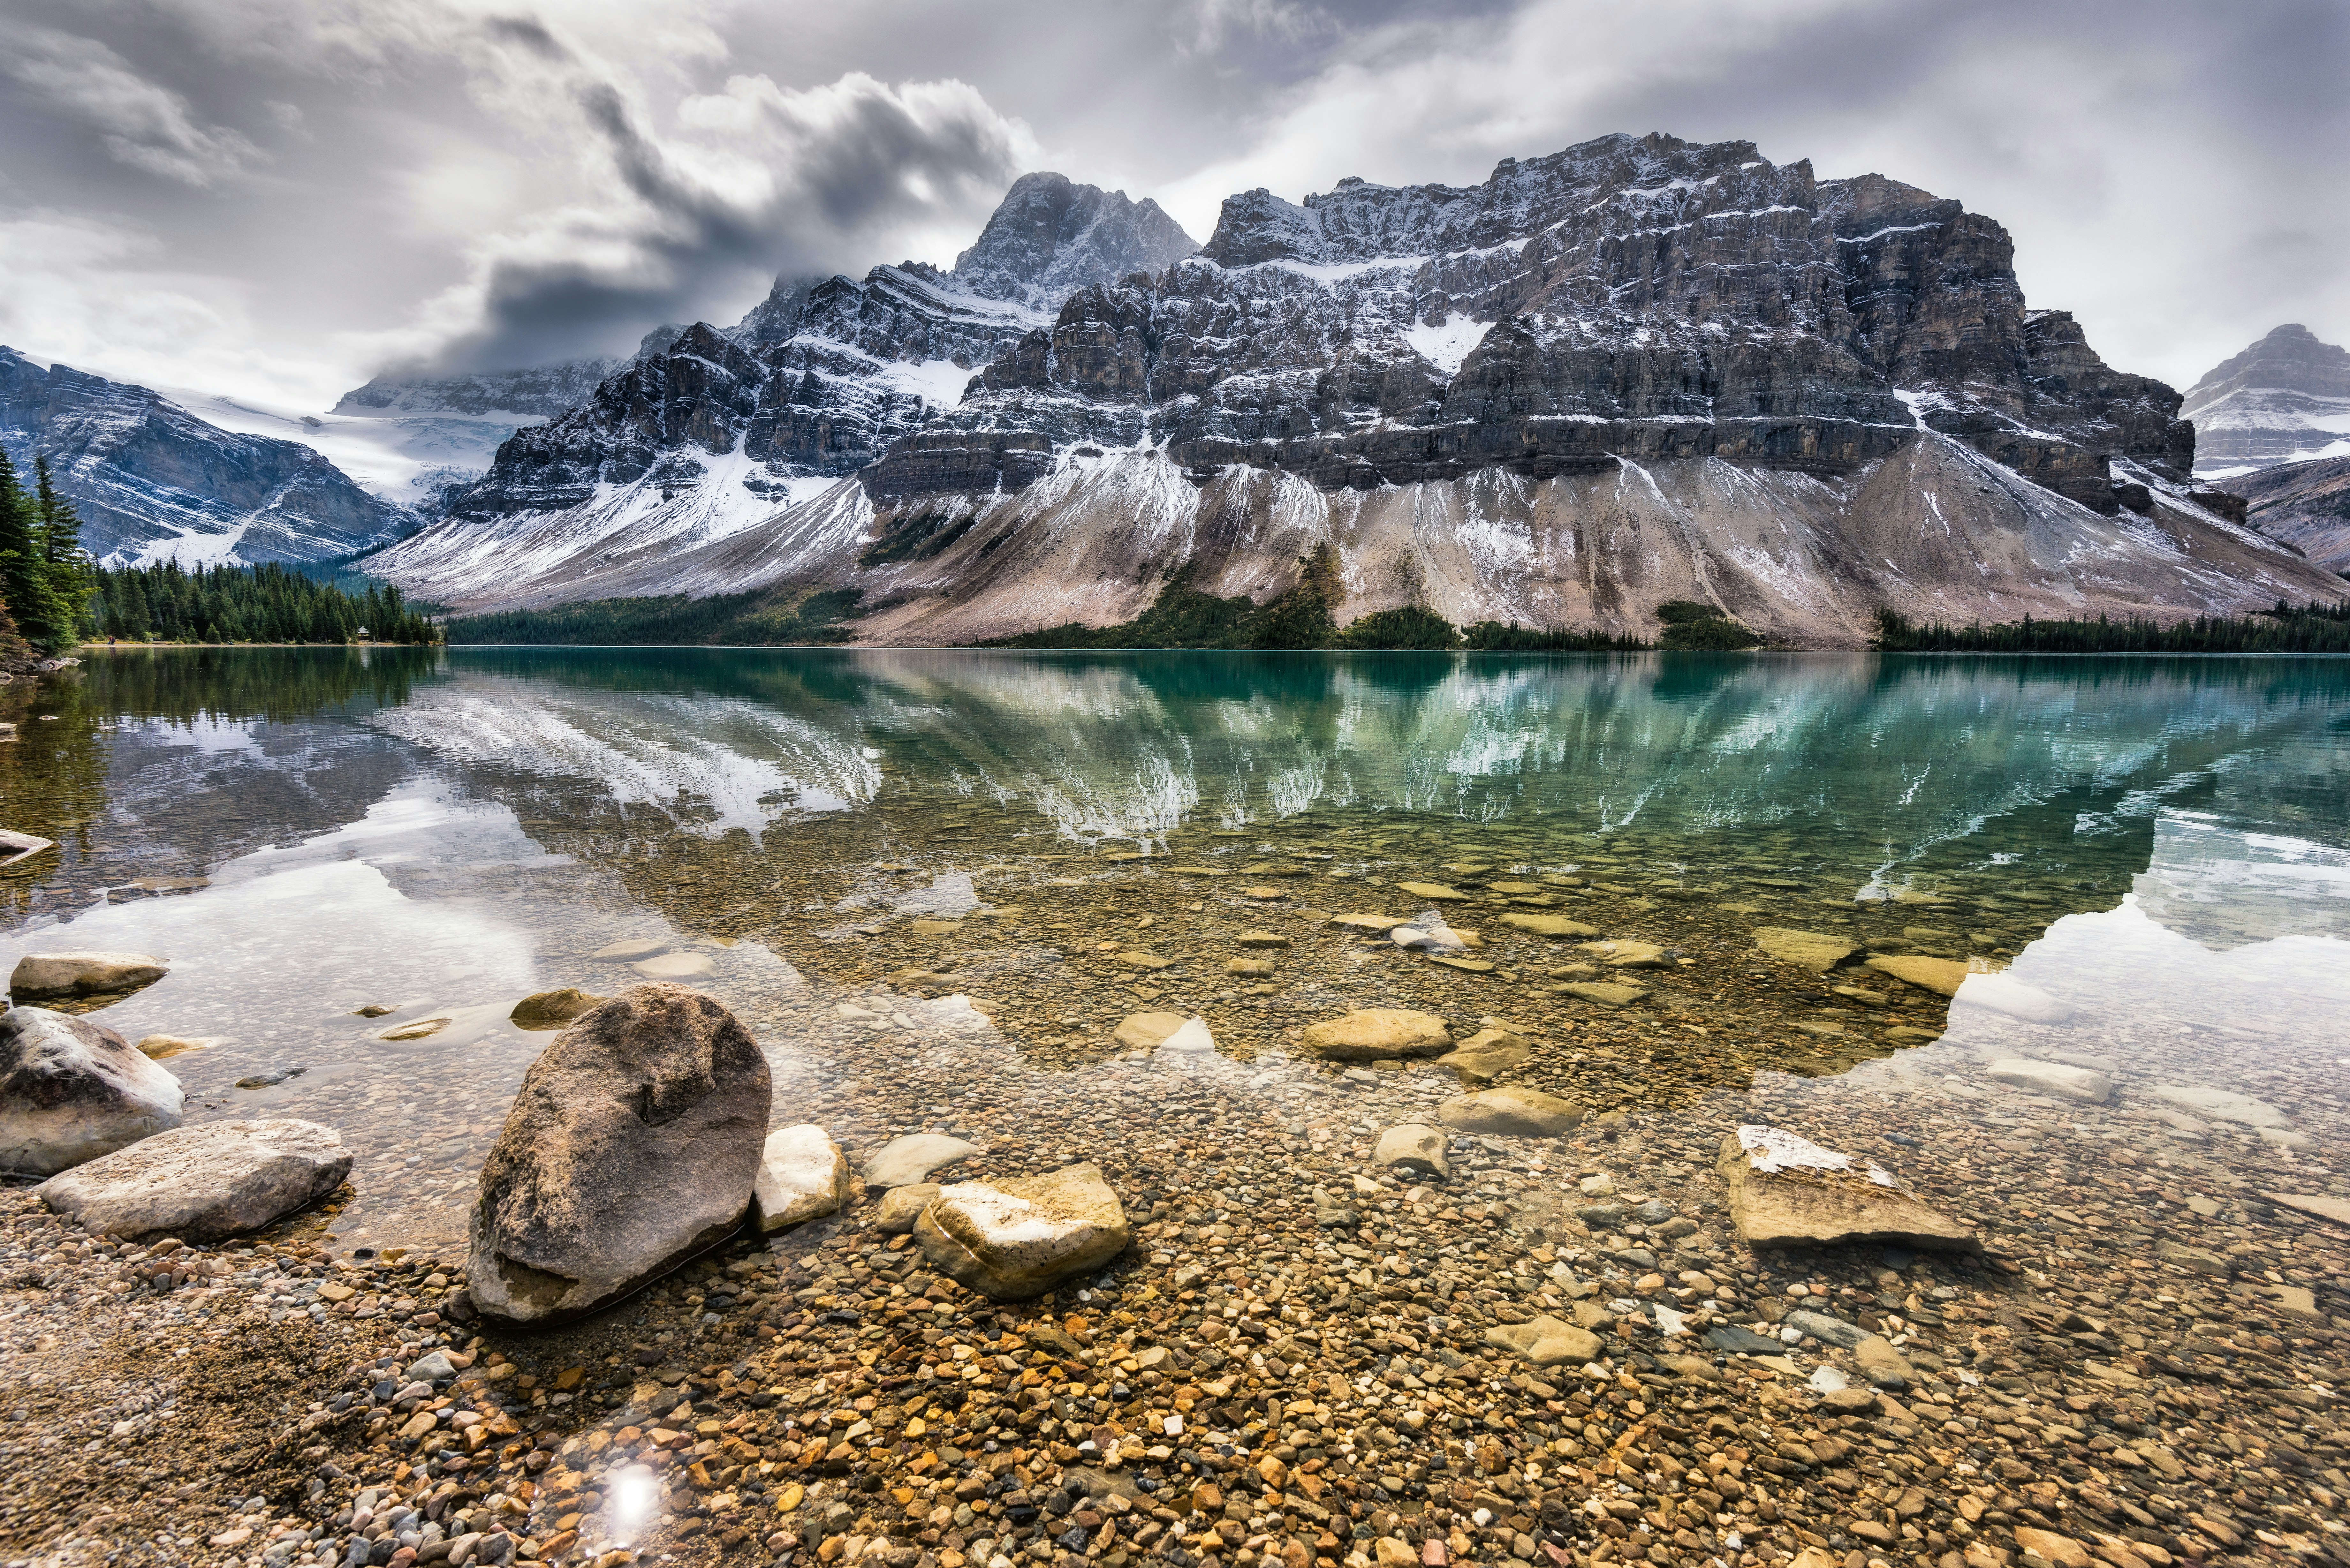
(153, 482)
(1634, 296)
(2286, 399)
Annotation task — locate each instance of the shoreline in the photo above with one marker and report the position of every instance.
(1314, 1326)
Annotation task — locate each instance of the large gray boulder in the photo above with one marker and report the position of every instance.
(38, 976)
(632, 1145)
(201, 1183)
(71, 1089)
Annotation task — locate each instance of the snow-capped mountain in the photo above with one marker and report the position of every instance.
(2286, 399)
(709, 430)
(1635, 370)
(154, 481)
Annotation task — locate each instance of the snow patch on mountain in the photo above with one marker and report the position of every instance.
(1447, 343)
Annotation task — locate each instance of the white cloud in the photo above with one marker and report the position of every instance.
(91, 292)
(140, 123)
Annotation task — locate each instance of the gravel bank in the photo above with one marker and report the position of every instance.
(1291, 1362)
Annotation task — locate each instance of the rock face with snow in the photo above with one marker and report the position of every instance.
(544, 389)
(153, 481)
(1629, 297)
(1052, 236)
(2286, 399)
(1637, 370)
(708, 430)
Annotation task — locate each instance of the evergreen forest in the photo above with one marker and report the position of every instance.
(268, 603)
(2311, 629)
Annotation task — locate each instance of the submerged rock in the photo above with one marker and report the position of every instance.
(1414, 1146)
(1144, 1030)
(1552, 926)
(2223, 1105)
(162, 1047)
(1513, 1112)
(72, 1089)
(1787, 1191)
(1813, 949)
(201, 1183)
(547, 1010)
(1545, 1342)
(903, 1161)
(1486, 1056)
(1375, 1033)
(1608, 994)
(2082, 1084)
(901, 1206)
(1018, 1238)
(1942, 975)
(1626, 954)
(676, 966)
(44, 975)
(632, 1145)
(2003, 993)
(803, 1175)
(629, 950)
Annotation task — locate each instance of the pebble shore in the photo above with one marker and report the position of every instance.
(1290, 1364)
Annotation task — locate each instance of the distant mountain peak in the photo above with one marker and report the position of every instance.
(2285, 399)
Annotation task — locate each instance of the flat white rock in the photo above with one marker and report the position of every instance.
(2223, 1105)
(2084, 1084)
(676, 966)
(2003, 993)
(803, 1175)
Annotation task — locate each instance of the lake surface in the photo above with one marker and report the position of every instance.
(935, 883)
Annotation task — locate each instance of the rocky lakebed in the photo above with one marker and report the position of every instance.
(1400, 1286)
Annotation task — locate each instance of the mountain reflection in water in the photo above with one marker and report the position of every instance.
(442, 832)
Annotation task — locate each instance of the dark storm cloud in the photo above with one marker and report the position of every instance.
(251, 192)
(852, 161)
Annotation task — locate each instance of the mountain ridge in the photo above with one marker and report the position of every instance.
(1754, 353)
(154, 481)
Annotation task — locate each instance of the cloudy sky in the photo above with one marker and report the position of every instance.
(273, 198)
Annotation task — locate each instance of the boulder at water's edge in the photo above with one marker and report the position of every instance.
(632, 1145)
(72, 1089)
(203, 1183)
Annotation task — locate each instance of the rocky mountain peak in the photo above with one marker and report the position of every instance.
(1051, 236)
(2285, 399)
(2290, 358)
(154, 481)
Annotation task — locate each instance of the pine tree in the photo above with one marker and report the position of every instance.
(23, 575)
(64, 562)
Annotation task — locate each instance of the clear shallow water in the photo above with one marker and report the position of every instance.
(2161, 846)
